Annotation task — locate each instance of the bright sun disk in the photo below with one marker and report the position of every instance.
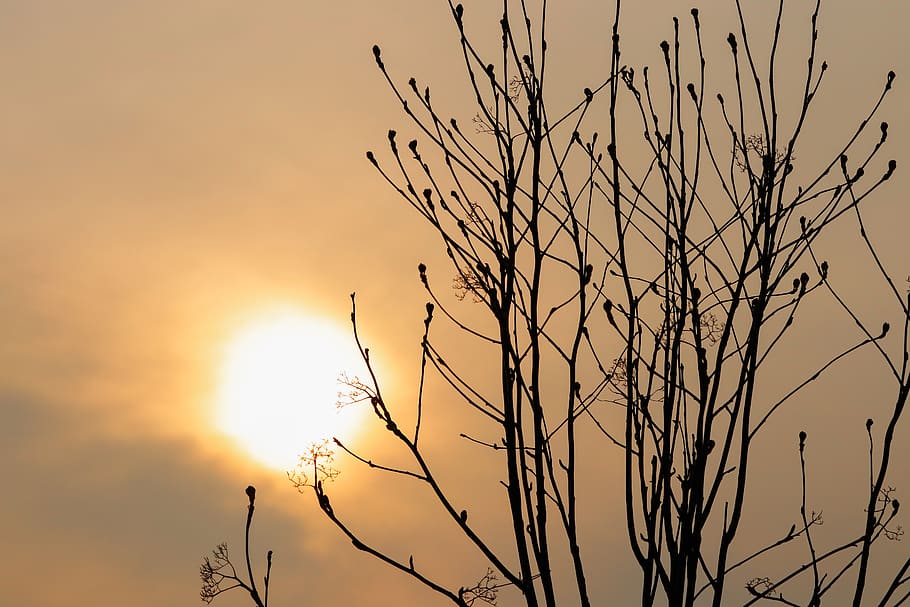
(279, 387)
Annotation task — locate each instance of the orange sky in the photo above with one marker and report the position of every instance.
(170, 168)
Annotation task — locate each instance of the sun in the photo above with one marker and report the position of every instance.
(279, 387)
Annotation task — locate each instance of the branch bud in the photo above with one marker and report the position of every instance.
(608, 308)
(392, 143)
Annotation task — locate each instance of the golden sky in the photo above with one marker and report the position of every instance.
(170, 170)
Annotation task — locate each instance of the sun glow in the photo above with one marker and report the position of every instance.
(279, 387)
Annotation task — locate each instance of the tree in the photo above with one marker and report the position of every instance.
(635, 287)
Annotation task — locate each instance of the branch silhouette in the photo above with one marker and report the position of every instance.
(219, 575)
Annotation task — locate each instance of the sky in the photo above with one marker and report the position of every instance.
(173, 171)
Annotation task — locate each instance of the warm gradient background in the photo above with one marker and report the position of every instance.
(169, 169)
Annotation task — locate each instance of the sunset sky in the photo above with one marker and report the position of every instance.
(173, 173)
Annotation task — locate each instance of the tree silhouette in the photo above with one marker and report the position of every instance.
(637, 285)
(220, 575)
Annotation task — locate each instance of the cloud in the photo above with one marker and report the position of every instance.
(89, 513)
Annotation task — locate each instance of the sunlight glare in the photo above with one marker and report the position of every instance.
(279, 387)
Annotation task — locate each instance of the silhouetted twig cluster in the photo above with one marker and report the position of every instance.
(219, 574)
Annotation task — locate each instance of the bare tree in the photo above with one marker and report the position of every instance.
(636, 286)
